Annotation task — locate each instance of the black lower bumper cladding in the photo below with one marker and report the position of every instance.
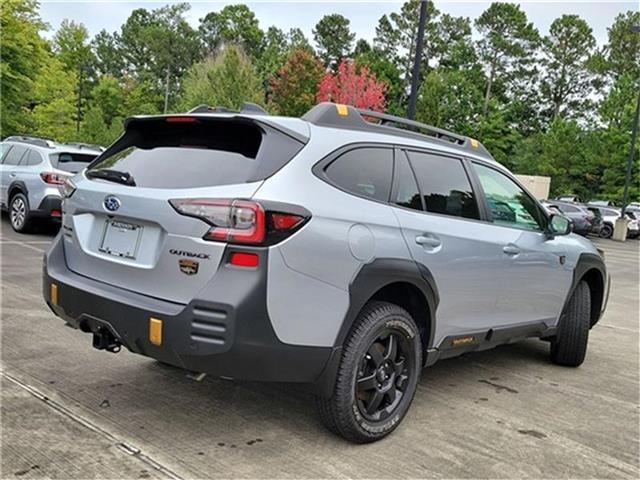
(225, 331)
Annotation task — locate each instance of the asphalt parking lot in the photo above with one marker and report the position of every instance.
(69, 411)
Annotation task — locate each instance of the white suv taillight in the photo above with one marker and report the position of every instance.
(67, 188)
(53, 178)
(241, 221)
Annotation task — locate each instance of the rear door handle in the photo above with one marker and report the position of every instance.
(428, 240)
(511, 249)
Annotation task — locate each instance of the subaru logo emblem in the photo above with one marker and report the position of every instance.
(111, 203)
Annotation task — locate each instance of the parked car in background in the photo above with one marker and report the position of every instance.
(568, 198)
(584, 220)
(31, 172)
(602, 203)
(609, 217)
(326, 250)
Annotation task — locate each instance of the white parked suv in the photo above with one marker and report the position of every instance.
(31, 172)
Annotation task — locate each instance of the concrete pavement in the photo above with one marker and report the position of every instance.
(69, 411)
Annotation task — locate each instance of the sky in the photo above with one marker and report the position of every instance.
(364, 15)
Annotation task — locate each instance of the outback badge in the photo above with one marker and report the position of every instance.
(188, 267)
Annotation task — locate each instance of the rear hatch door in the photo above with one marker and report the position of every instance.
(120, 228)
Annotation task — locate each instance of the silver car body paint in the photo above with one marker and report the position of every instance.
(309, 273)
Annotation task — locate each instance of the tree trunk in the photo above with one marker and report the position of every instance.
(487, 95)
(166, 90)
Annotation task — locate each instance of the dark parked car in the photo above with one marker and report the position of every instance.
(584, 219)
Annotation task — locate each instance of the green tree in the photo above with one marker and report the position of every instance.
(449, 99)
(71, 45)
(274, 53)
(108, 54)
(235, 24)
(385, 69)
(333, 38)
(507, 46)
(108, 95)
(297, 39)
(387, 38)
(226, 80)
(23, 53)
(96, 131)
(54, 100)
(405, 24)
(451, 45)
(159, 46)
(294, 87)
(567, 83)
(141, 98)
(623, 49)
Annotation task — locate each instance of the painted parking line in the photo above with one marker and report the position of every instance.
(23, 244)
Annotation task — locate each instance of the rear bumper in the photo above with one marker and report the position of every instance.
(49, 204)
(225, 331)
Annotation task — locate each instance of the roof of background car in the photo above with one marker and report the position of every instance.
(56, 148)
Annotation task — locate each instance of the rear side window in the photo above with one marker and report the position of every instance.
(14, 155)
(444, 185)
(198, 152)
(33, 158)
(363, 171)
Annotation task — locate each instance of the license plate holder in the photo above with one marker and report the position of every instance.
(121, 239)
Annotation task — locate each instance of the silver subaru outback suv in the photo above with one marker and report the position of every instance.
(344, 250)
(31, 172)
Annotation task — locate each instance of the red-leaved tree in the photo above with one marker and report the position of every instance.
(353, 86)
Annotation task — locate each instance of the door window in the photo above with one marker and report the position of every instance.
(444, 185)
(509, 204)
(364, 171)
(407, 194)
(14, 155)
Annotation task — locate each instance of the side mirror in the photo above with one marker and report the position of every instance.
(559, 225)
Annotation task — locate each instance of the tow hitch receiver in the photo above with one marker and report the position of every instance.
(103, 339)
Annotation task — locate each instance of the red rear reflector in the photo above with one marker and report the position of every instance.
(181, 120)
(56, 213)
(284, 221)
(241, 259)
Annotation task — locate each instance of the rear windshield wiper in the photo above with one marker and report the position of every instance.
(115, 176)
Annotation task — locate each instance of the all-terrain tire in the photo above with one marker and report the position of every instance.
(344, 413)
(569, 346)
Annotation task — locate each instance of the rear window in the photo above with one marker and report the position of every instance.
(193, 153)
(72, 162)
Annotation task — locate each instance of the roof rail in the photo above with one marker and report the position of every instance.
(31, 140)
(246, 108)
(345, 116)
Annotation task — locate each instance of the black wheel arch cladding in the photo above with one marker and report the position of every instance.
(399, 281)
(18, 186)
(590, 268)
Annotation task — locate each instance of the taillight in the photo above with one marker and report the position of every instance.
(241, 221)
(53, 178)
(67, 188)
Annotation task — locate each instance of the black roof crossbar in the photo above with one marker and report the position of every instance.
(31, 140)
(246, 108)
(345, 116)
